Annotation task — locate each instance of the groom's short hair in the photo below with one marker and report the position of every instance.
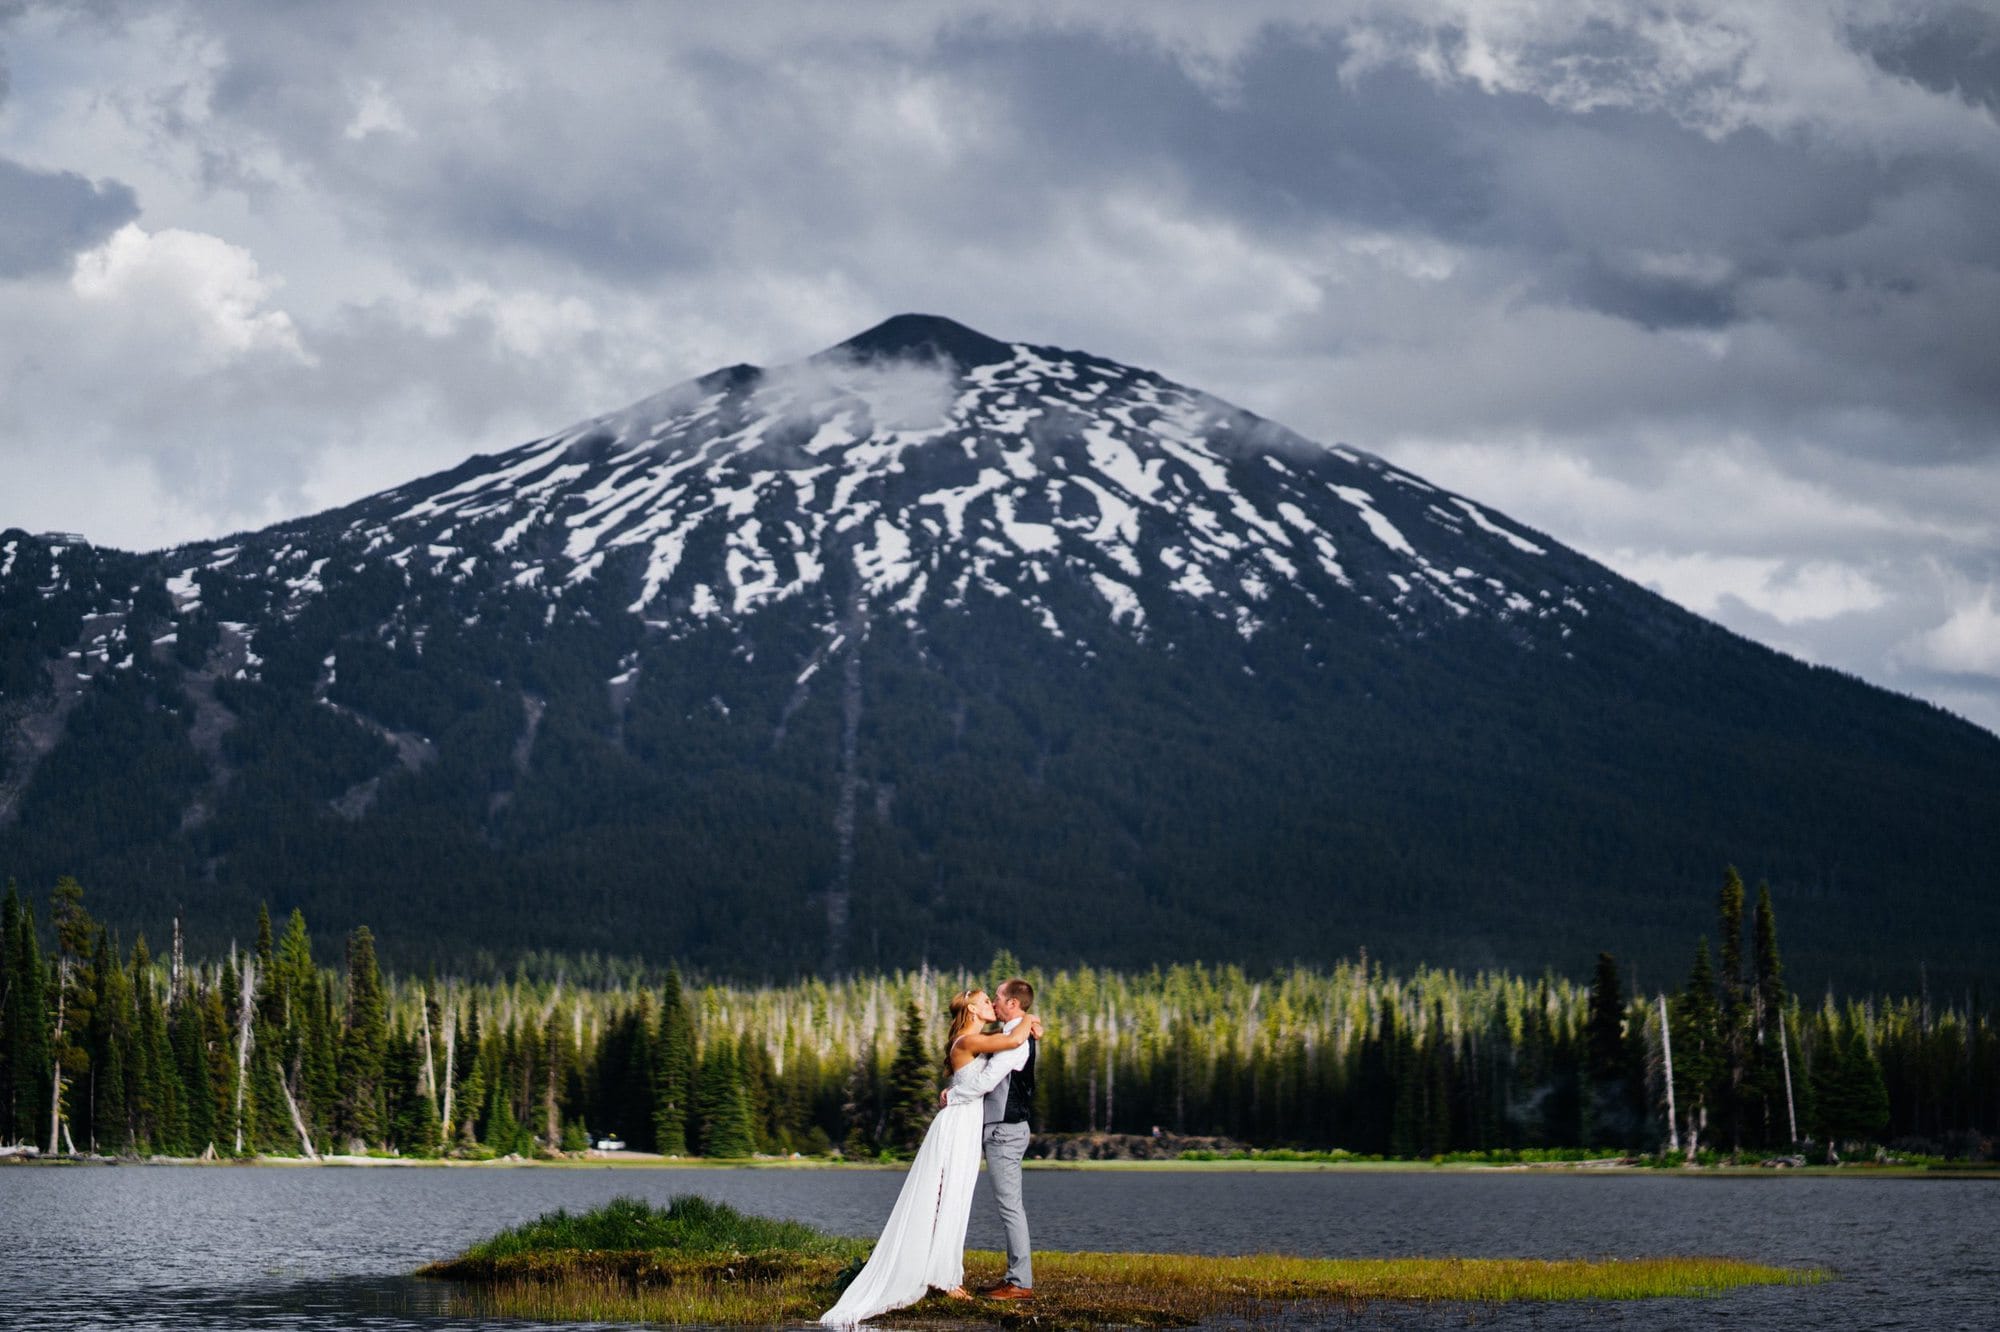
(1020, 992)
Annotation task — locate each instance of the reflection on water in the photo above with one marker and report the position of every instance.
(328, 1248)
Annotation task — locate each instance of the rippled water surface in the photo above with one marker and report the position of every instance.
(326, 1248)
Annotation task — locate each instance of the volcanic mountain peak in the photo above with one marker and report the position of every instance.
(921, 463)
(925, 337)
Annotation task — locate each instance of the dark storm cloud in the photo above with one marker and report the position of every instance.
(1283, 144)
(47, 216)
(1951, 49)
(1631, 213)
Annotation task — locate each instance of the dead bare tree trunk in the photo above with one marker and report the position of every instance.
(1110, 1086)
(243, 1024)
(430, 1069)
(450, 1074)
(1785, 1061)
(552, 1120)
(174, 975)
(57, 1130)
(1667, 1057)
(299, 1122)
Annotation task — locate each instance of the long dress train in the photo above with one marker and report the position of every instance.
(923, 1243)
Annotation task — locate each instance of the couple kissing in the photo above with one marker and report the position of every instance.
(989, 1068)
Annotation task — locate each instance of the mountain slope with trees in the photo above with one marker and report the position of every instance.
(932, 645)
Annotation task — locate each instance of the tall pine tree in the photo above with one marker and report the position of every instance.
(364, 1044)
(673, 1070)
(24, 1026)
(722, 1111)
(1697, 1038)
(912, 1084)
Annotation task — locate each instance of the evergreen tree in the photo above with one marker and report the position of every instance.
(413, 1123)
(912, 1085)
(184, 1033)
(857, 1103)
(1374, 1094)
(1770, 970)
(760, 1096)
(1611, 1114)
(1851, 1099)
(267, 956)
(1437, 1066)
(1735, 1018)
(1607, 1022)
(673, 1077)
(319, 1063)
(162, 1109)
(554, 1061)
(364, 1043)
(72, 998)
(1768, 1007)
(10, 909)
(722, 1112)
(110, 1039)
(24, 1026)
(1696, 1019)
(218, 1052)
(294, 972)
(472, 1090)
(1405, 1119)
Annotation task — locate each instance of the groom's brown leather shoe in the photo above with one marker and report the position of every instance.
(1007, 1290)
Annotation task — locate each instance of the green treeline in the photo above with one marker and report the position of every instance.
(116, 1050)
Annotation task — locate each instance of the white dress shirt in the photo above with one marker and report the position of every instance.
(1013, 1061)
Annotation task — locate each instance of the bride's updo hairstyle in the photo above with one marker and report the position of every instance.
(961, 1019)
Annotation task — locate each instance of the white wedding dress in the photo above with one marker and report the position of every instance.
(923, 1244)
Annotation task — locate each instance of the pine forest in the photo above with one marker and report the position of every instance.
(117, 1050)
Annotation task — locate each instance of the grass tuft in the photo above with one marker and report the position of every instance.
(687, 1225)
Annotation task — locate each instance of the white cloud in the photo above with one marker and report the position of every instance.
(898, 394)
(171, 284)
(375, 112)
(1790, 592)
(1966, 644)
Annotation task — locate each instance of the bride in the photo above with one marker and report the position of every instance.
(923, 1244)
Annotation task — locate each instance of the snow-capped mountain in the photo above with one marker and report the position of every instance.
(930, 464)
(805, 665)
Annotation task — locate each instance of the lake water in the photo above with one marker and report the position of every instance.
(137, 1247)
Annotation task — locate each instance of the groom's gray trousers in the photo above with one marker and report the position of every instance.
(1006, 1144)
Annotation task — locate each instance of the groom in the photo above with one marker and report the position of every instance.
(1006, 1138)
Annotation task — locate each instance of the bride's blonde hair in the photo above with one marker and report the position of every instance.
(960, 1020)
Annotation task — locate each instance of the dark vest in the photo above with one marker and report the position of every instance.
(1021, 1089)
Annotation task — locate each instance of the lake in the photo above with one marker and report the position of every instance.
(137, 1247)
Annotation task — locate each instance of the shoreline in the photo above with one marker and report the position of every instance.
(623, 1161)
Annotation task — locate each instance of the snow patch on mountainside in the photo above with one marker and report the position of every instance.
(1040, 477)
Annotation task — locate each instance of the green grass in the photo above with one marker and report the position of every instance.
(1338, 1156)
(700, 1262)
(687, 1226)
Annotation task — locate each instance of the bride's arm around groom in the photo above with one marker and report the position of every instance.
(1008, 1053)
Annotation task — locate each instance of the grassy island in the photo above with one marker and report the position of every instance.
(696, 1261)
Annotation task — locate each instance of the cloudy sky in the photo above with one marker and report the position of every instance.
(1710, 291)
